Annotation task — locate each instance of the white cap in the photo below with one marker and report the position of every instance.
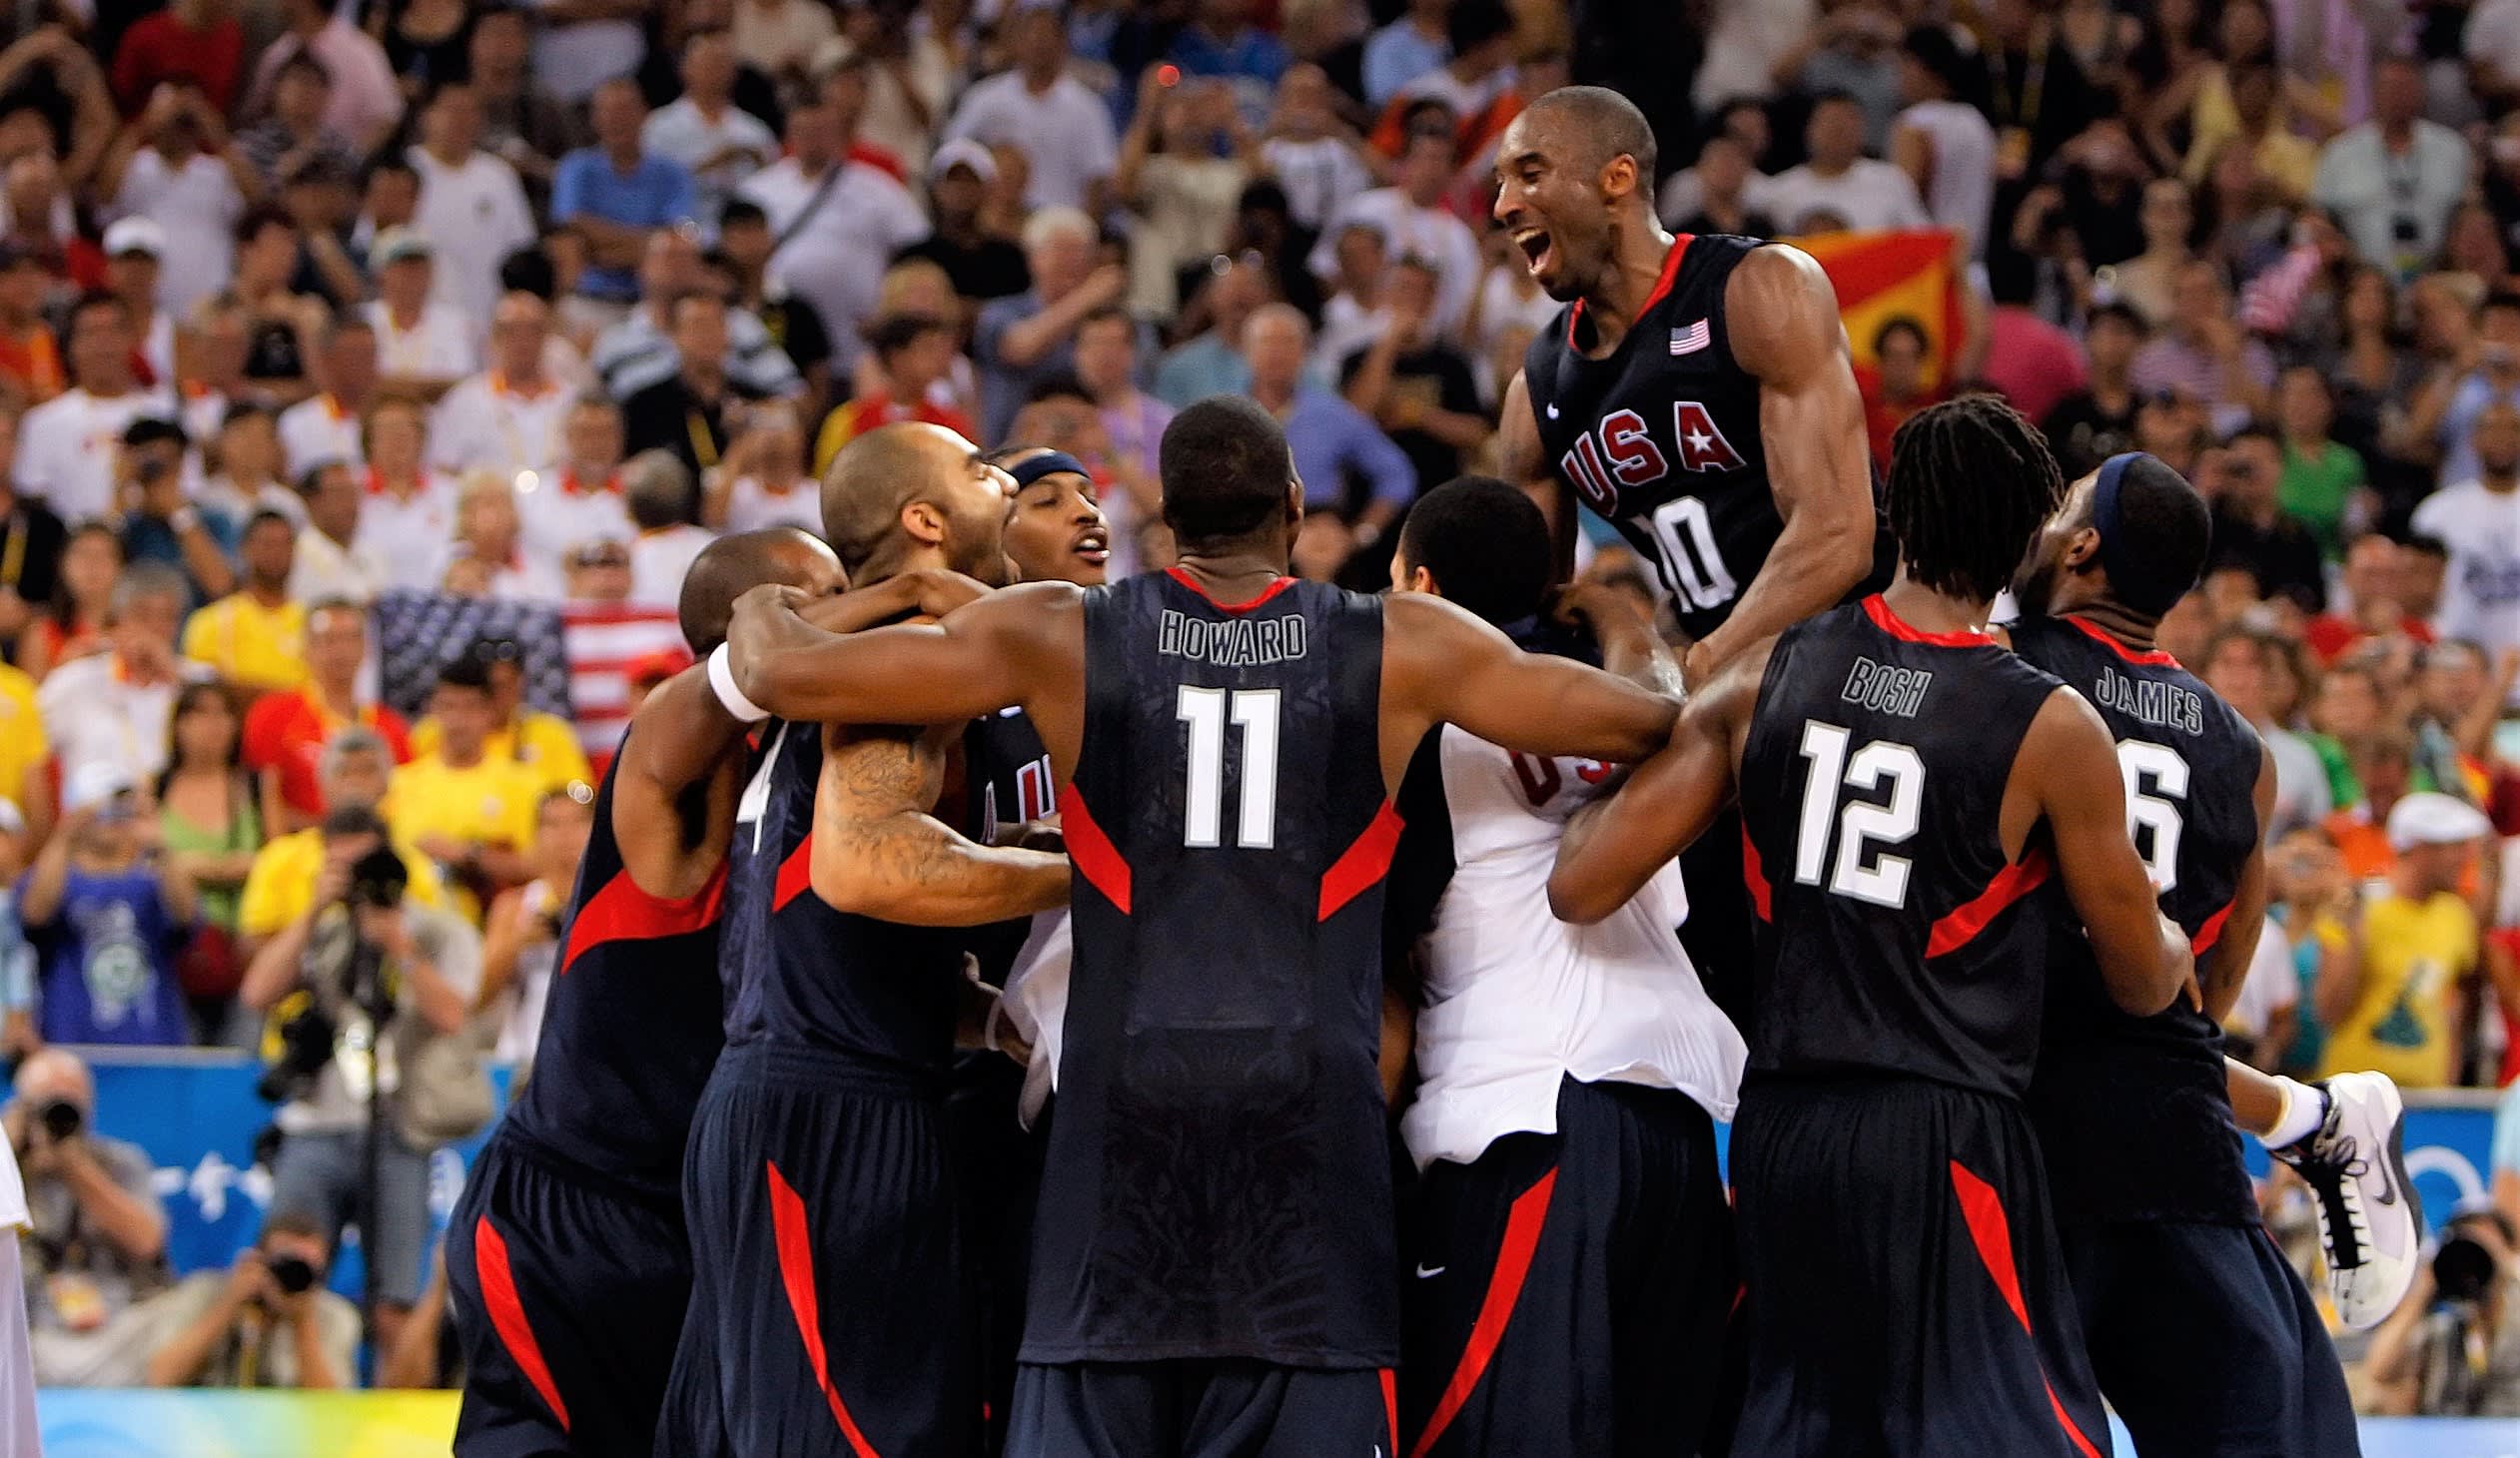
(135, 234)
(2429, 818)
(94, 783)
(964, 152)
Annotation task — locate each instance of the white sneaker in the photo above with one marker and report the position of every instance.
(2369, 1220)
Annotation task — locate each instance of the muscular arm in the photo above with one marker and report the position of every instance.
(975, 660)
(682, 739)
(879, 853)
(1811, 419)
(2075, 786)
(1521, 459)
(1612, 848)
(2225, 965)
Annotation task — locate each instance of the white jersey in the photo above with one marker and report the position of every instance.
(1517, 999)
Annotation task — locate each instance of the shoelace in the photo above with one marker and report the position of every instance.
(2326, 1166)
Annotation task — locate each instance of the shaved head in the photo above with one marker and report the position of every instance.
(900, 488)
(733, 565)
(1589, 124)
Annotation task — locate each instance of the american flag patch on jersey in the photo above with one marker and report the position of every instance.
(1691, 340)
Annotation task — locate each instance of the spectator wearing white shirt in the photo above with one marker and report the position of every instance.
(1062, 129)
(762, 483)
(472, 205)
(324, 426)
(365, 101)
(656, 488)
(409, 517)
(331, 561)
(639, 351)
(112, 708)
(2393, 181)
(424, 344)
(582, 501)
(717, 142)
(778, 38)
(248, 479)
(489, 559)
(174, 166)
(2479, 521)
(506, 418)
(1944, 144)
(1413, 221)
(135, 253)
(838, 224)
(1861, 192)
(578, 45)
(1314, 155)
(66, 445)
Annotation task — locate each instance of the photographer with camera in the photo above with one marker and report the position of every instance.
(2453, 1348)
(368, 988)
(266, 1322)
(159, 521)
(98, 1240)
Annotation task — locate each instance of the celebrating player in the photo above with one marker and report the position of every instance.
(1906, 786)
(1214, 1249)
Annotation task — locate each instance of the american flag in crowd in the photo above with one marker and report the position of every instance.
(1691, 340)
(577, 656)
(603, 642)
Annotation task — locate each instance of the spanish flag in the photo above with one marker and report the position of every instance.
(1884, 276)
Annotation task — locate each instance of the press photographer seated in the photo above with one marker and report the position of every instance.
(99, 1232)
(264, 1323)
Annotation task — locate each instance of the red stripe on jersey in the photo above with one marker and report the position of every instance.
(2157, 658)
(507, 1316)
(1091, 852)
(796, 1273)
(1754, 874)
(2212, 931)
(623, 912)
(1363, 863)
(1906, 632)
(1191, 582)
(1965, 921)
(1983, 1211)
(1392, 1404)
(796, 873)
(1504, 1285)
(1669, 275)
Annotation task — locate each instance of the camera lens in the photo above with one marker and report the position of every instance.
(292, 1273)
(62, 1118)
(2462, 1268)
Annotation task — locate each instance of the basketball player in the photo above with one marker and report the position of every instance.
(1906, 786)
(566, 1255)
(2200, 1334)
(1564, 1128)
(1214, 1260)
(829, 1312)
(1696, 394)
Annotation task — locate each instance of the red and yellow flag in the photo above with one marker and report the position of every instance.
(1881, 275)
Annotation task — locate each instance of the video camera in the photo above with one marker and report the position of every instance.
(378, 881)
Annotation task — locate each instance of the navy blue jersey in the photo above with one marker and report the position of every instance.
(1661, 437)
(1896, 935)
(2135, 1111)
(1218, 1179)
(630, 1027)
(803, 974)
(1008, 778)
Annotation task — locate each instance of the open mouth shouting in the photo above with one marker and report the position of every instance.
(1093, 546)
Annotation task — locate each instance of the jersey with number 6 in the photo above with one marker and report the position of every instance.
(1895, 935)
(1219, 1182)
(2133, 1112)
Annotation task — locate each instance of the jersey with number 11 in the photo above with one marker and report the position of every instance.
(1219, 1183)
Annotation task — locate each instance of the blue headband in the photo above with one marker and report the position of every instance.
(1049, 464)
(2138, 581)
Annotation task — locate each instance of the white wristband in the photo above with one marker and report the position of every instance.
(723, 680)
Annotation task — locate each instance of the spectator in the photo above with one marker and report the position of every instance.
(408, 518)
(2147, 281)
(2203, 351)
(2285, 162)
(1415, 385)
(134, 248)
(175, 167)
(1854, 49)
(521, 951)
(703, 132)
(331, 560)
(31, 539)
(582, 501)
(2449, 1352)
(906, 83)
(1022, 341)
(2235, 667)
(2485, 373)
(2389, 995)
(661, 500)
(2322, 480)
(1222, 41)
(268, 1321)
(780, 38)
(472, 210)
(30, 357)
(1858, 191)
(2475, 518)
(322, 199)
(107, 914)
(1062, 129)
(254, 639)
(208, 822)
(522, 124)
(1407, 49)
(423, 345)
(2392, 181)
(111, 707)
(598, 573)
(1412, 218)
(1182, 167)
(40, 215)
(1107, 365)
(745, 245)
(327, 425)
(65, 456)
(2251, 529)
(295, 130)
(1896, 383)
(2374, 587)
(432, 969)
(279, 327)
(285, 732)
(1211, 361)
(837, 221)
(509, 417)
(158, 525)
(488, 560)
(763, 482)
(580, 49)
(689, 414)
(913, 353)
(2099, 420)
(98, 1227)
(460, 804)
(356, 770)
(639, 350)
(1474, 82)
(1310, 149)
(73, 622)
(1943, 143)
(364, 102)
(543, 743)
(1334, 445)
(982, 264)
(617, 196)
(194, 42)
(1723, 202)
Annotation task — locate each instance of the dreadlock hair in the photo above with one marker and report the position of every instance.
(1970, 482)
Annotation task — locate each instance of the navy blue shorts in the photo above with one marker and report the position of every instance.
(1202, 1408)
(2208, 1343)
(1906, 1294)
(1571, 1292)
(829, 1317)
(997, 1169)
(568, 1304)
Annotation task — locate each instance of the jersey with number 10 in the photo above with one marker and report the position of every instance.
(1896, 936)
(1218, 1179)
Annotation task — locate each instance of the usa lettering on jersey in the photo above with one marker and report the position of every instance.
(1620, 451)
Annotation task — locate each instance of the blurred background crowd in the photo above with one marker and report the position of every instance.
(371, 371)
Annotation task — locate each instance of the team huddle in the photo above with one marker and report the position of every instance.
(1067, 1128)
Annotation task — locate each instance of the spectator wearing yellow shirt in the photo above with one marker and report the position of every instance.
(543, 744)
(24, 752)
(357, 770)
(255, 638)
(2389, 994)
(460, 804)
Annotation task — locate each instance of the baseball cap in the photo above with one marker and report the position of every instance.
(135, 234)
(94, 783)
(2431, 818)
(396, 245)
(964, 152)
